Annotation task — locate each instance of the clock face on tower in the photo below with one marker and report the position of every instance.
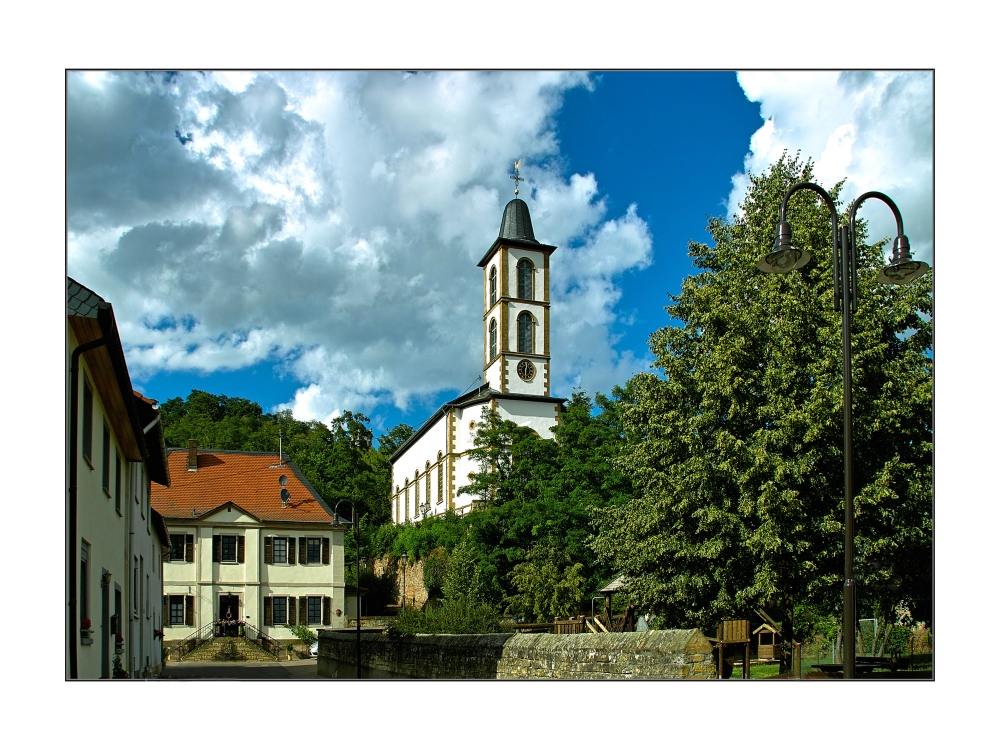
(525, 370)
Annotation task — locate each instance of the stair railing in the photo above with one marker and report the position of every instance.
(267, 643)
(181, 648)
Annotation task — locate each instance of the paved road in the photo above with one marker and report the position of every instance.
(299, 669)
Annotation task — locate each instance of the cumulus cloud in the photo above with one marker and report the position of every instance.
(874, 129)
(332, 222)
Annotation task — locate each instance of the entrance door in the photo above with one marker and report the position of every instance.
(229, 607)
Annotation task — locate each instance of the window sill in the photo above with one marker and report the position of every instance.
(86, 459)
(107, 492)
(86, 641)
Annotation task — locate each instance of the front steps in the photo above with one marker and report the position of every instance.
(229, 649)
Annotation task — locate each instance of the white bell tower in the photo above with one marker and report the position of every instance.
(516, 305)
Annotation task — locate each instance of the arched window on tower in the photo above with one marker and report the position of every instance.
(493, 338)
(525, 333)
(525, 279)
(493, 285)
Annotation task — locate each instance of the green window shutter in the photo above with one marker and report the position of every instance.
(326, 550)
(291, 550)
(216, 548)
(291, 610)
(189, 611)
(267, 610)
(304, 610)
(268, 554)
(326, 610)
(302, 550)
(165, 617)
(188, 548)
(240, 549)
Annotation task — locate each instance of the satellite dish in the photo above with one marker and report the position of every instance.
(285, 495)
(282, 480)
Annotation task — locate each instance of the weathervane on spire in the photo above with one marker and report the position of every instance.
(516, 177)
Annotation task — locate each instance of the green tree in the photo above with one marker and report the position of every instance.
(548, 585)
(735, 448)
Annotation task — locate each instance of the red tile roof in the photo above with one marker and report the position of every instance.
(247, 479)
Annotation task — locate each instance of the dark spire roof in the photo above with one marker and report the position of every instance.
(516, 223)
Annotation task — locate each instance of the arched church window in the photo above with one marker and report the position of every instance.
(493, 285)
(493, 338)
(440, 479)
(525, 333)
(416, 492)
(525, 277)
(406, 497)
(427, 482)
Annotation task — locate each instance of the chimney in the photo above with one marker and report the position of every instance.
(192, 455)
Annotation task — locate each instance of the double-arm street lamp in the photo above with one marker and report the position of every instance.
(901, 270)
(357, 599)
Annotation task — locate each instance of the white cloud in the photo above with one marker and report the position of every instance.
(873, 128)
(333, 221)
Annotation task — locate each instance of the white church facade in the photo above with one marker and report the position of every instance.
(430, 468)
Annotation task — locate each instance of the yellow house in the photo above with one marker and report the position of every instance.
(114, 541)
(251, 544)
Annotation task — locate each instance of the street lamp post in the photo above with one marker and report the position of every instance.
(901, 270)
(357, 587)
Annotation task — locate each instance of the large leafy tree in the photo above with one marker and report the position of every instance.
(735, 446)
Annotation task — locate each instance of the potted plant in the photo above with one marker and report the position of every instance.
(85, 625)
(288, 650)
(119, 643)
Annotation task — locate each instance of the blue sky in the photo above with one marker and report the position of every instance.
(309, 240)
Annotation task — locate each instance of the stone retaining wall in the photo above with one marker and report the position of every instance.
(653, 654)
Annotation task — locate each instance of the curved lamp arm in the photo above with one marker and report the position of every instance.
(336, 511)
(784, 257)
(902, 269)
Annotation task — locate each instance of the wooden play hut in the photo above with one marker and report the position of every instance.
(767, 641)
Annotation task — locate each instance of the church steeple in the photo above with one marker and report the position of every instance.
(516, 304)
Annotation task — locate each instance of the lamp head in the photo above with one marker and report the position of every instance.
(783, 258)
(903, 269)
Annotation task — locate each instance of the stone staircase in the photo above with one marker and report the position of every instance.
(229, 649)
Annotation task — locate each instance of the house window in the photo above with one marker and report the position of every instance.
(525, 277)
(176, 548)
(135, 586)
(279, 609)
(118, 482)
(106, 461)
(228, 548)
(493, 338)
(88, 421)
(493, 285)
(279, 550)
(149, 609)
(315, 610)
(176, 610)
(84, 580)
(525, 329)
(313, 547)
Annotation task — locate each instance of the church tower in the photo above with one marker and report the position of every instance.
(516, 305)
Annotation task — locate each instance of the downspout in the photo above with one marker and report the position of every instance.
(71, 552)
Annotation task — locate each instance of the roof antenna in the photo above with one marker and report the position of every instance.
(280, 464)
(480, 377)
(516, 177)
